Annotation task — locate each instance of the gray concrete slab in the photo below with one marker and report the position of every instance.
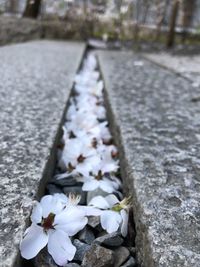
(156, 124)
(186, 66)
(35, 82)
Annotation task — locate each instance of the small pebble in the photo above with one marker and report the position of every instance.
(53, 189)
(112, 240)
(44, 259)
(131, 262)
(86, 236)
(81, 249)
(121, 255)
(72, 264)
(132, 251)
(69, 181)
(93, 221)
(98, 256)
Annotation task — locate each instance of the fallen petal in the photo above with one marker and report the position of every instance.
(60, 247)
(34, 240)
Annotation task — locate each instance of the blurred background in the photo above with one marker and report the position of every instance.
(143, 24)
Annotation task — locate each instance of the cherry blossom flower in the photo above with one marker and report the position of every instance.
(99, 180)
(81, 121)
(115, 214)
(90, 63)
(86, 103)
(79, 157)
(53, 222)
(101, 131)
(87, 78)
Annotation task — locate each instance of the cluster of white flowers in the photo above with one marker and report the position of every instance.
(90, 157)
(88, 152)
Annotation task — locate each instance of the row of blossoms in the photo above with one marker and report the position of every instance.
(89, 155)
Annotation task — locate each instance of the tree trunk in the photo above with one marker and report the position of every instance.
(145, 12)
(171, 33)
(32, 9)
(161, 13)
(85, 8)
(136, 26)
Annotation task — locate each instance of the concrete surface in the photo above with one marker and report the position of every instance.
(35, 82)
(156, 124)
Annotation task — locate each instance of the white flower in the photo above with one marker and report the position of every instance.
(99, 180)
(110, 151)
(107, 165)
(86, 77)
(98, 175)
(115, 214)
(94, 88)
(98, 89)
(90, 63)
(86, 103)
(101, 131)
(71, 111)
(78, 157)
(52, 223)
(81, 121)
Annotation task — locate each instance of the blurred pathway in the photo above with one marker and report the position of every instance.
(187, 66)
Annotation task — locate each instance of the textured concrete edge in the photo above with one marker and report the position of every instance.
(142, 243)
(163, 66)
(51, 162)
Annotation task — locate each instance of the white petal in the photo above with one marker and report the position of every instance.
(110, 221)
(99, 202)
(61, 197)
(94, 160)
(34, 240)
(90, 185)
(106, 186)
(124, 226)
(90, 211)
(50, 204)
(60, 247)
(83, 168)
(74, 227)
(36, 216)
(69, 215)
(112, 200)
(116, 182)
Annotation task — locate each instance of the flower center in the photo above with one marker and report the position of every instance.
(47, 223)
(99, 176)
(94, 142)
(81, 158)
(70, 168)
(72, 135)
(124, 204)
(114, 154)
(117, 208)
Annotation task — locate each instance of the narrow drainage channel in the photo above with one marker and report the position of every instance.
(83, 218)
